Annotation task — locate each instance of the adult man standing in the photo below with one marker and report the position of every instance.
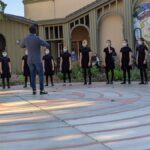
(33, 44)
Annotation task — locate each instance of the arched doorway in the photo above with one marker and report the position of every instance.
(111, 28)
(2, 43)
(79, 34)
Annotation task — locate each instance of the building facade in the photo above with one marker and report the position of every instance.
(12, 30)
(68, 22)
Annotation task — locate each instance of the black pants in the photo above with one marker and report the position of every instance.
(143, 73)
(3, 82)
(85, 72)
(26, 80)
(107, 74)
(69, 77)
(51, 79)
(126, 71)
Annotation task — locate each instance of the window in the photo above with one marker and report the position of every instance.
(82, 21)
(47, 33)
(87, 20)
(60, 31)
(56, 32)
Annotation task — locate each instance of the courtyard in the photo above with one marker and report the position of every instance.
(99, 117)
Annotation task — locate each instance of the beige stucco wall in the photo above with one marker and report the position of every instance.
(111, 29)
(13, 31)
(53, 9)
(39, 10)
(65, 7)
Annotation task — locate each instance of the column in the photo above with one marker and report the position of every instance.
(41, 32)
(93, 31)
(66, 34)
(128, 22)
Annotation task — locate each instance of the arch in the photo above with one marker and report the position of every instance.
(2, 43)
(117, 18)
(78, 34)
(135, 2)
(79, 25)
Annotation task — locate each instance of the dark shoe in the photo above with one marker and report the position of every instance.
(90, 83)
(141, 83)
(43, 92)
(129, 82)
(34, 92)
(107, 82)
(111, 82)
(85, 83)
(123, 82)
(52, 84)
(8, 87)
(25, 86)
(46, 85)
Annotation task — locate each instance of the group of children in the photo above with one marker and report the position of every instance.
(126, 61)
(85, 63)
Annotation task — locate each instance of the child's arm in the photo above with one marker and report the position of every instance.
(9, 66)
(1, 68)
(53, 66)
(22, 65)
(60, 63)
(70, 66)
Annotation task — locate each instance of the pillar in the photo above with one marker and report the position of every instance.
(66, 34)
(128, 22)
(93, 31)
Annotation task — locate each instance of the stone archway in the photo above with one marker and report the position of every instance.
(78, 34)
(2, 43)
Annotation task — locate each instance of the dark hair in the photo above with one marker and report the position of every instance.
(109, 41)
(125, 40)
(32, 29)
(142, 39)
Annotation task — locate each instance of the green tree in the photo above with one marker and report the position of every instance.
(2, 8)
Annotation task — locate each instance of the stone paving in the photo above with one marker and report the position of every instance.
(99, 117)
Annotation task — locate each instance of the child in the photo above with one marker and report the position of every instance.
(48, 63)
(126, 61)
(25, 68)
(65, 65)
(86, 61)
(5, 69)
(109, 62)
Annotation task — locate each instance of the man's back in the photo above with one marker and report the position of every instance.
(33, 43)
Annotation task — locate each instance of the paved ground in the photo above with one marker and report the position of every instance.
(100, 117)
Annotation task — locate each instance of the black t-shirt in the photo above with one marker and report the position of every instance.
(109, 57)
(85, 56)
(125, 53)
(25, 59)
(141, 52)
(65, 62)
(47, 60)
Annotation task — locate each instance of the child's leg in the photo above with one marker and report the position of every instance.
(26, 80)
(3, 83)
(69, 77)
(64, 78)
(46, 80)
(8, 84)
(52, 83)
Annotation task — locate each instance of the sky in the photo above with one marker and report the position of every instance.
(14, 7)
